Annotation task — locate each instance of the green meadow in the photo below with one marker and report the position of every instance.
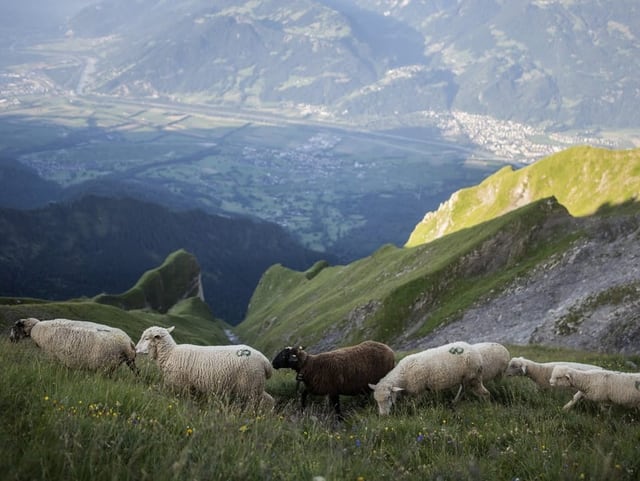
(324, 183)
(59, 423)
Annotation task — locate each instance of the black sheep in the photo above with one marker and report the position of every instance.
(344, 371)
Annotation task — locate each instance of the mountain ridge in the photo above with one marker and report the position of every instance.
(468, 284)
(581, 178)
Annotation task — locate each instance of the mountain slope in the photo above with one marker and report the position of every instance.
(94, 245)
(468, 284)
(583, 179)
(132, 312)
(548, 63)
(383, 295)
(160, 289)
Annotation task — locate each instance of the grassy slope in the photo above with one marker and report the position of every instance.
(192, 324)
(583, 179)
(141, 306)
(59, 423)
(287, 307)
(161, 287)
(410, 291)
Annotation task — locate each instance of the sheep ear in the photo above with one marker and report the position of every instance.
(396, 389)
(170, 329)
(524, 369)
(372, 387)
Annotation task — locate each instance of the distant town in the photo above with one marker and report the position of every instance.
(506, 140)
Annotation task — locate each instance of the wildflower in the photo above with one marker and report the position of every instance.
(358, 443)
(360, 478)
(46, 398)
(189, 431)
(243, 428)
(420, 437)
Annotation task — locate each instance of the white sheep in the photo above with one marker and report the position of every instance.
(79, 344)
(452, 365)
(599, 385)
(495, 359)
(540, 372)
(237, 371)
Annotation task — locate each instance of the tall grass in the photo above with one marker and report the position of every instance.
(57, 423)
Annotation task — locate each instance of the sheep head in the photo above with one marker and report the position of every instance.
(22, 328)
(151, 338)
(516, 367)
(289, 358)
(385, 395)
(561, 376)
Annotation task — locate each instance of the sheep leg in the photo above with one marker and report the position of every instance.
(576, 397)
(303, 399)
(335, 402)
(458, 395)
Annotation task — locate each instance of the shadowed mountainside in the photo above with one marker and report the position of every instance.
(94, 245)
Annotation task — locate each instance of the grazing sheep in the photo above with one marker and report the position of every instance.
(237, 371)
(495, 359)
(540, 372)
(445, 367)
(79, 344)
(599, 385)
(347, 371)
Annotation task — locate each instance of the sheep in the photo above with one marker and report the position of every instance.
(79, 344)
(344, 371)
(538, 372)
(436, 369)
(599, 385)
(237, 371)
(495, 359)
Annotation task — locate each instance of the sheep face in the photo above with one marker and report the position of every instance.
(148, 343)
(516, 368)
(288, 358)
(21, 329)
(560, 377)
(385, 396)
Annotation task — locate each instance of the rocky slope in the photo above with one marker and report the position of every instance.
(586, 298)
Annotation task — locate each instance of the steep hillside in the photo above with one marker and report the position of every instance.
(94, 245)
(396, 290)
(583, 179)
(160, 289)
(164, 296)
(533, 273)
